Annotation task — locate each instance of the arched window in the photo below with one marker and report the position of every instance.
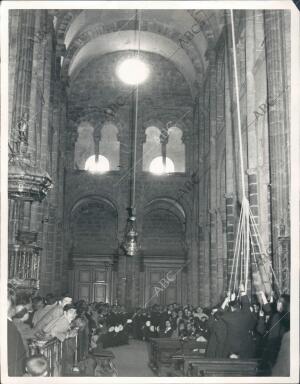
(168, 143)
(152, 146)
(176, 149)
(158, 168)
(100, 166)
(84, 146)
(109, 145)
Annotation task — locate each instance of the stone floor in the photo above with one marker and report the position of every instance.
(132, 359)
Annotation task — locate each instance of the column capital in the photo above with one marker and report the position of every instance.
(229, 195)
(251, 171)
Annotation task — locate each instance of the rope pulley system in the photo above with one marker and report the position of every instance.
(248, 239)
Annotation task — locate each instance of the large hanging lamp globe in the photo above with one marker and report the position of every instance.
(133, 71)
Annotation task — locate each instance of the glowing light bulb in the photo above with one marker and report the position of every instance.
(133, 71)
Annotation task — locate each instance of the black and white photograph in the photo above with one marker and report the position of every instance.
(150, 191)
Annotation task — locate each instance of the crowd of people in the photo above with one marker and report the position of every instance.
(234, 329)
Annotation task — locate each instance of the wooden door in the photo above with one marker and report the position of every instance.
(163, 286)
(84, 284)
(155, 296)
(100, 285)
(92, 283)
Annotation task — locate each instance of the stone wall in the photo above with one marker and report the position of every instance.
(190, 218)
(36, 140)
(263, 101)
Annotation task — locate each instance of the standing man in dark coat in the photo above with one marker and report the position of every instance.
(240, 323)
(217, 331)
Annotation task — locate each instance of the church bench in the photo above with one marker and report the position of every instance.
(193, 365)
(161, 351)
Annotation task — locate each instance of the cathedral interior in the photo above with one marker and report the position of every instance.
(140, 145)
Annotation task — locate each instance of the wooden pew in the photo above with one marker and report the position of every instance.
(161, 351)
(193, 365)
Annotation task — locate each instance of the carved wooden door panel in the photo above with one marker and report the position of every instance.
(84, 285)
(92, 283)
(155, 297)
(163, 286)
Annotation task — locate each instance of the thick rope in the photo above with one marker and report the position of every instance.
(255, 260)
(247, 245)
(136, 117)
(238, 248)
(245, 203)
(234, 257)
(263, 251)
(244, 235)
(237, 93)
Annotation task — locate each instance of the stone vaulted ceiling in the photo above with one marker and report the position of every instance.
(180, 36)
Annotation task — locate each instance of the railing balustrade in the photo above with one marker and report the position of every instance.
(24, 264)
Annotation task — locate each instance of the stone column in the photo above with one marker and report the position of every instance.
(278, 127)
(195, 178)
(36, 93)
(48, 61)
(230, 182)
(221, 168)
(211, 55)
(23, 72)
(252, 141)
(204, 275)
(14, 28)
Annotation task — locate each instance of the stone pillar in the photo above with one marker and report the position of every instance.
(23, 72)
(212, 70)
(36, 93)
(285, 262)
(71, 136)
(230, 195)
(204, 275)
(48, 61)
(195, 218)
(277, 86)
(230, 225)
(252, 142)
(221, 168)
(14, 17)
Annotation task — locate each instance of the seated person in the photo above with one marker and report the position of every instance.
(54, 313)
(203, 327)
(148, 330)
(61, 326)
(167, 331)
(37, 365)
(39, 309)
(189, 329)
(181, 330)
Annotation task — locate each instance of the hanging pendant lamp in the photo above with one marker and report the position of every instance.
(130, 244)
